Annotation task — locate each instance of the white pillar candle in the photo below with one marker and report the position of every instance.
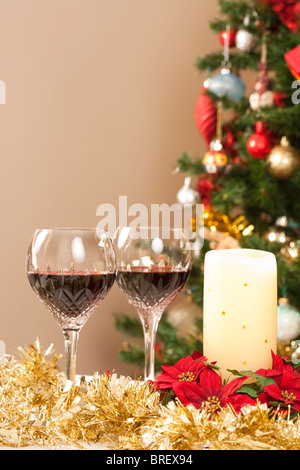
(240, 309)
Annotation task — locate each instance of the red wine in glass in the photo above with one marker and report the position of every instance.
(71, 297)
(151, 289)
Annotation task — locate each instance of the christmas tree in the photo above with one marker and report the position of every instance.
(249, 178)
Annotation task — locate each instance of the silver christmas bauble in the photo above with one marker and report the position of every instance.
(188, 195)
(245, 41)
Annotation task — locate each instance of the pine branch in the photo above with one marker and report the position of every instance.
(131, 326)
(188, 165)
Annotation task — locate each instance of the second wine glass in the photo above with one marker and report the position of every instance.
(153, 266)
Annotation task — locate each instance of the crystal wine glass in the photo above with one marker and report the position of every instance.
(153, 266)
(71, 270)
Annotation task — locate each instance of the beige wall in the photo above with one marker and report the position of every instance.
(100, 102)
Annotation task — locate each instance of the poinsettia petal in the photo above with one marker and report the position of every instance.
(171, 371)
(269, 372)
(273, 391)
(263, 398)
(287, 380)
(163, 385)
(296, 406)
(296, 393)
(279, 364)
(296, 382)
(189, 393)
(238, 401)
(210, 382)
(190, 363)
(197, 368)
(183, 363)
(198, 356)
(232, 386)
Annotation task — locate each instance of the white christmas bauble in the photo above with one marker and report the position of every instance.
(288, 321)
(245, 41)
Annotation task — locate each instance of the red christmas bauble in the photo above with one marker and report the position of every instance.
(227, 36)
(206, 117)
(258, 144)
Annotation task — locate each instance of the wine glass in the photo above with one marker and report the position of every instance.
(153, 266)
(71, 270)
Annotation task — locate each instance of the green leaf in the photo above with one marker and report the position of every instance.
(260, 379)
(241, 373)
(248, 390)
(263, 381)
(209, 364)
(167, 397)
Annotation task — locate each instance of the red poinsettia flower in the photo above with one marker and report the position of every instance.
(278, 364)
(209, 393)
(281, 372)
(186, 369)
(283, 392)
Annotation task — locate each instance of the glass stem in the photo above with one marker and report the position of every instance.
(150, 329)
(71, 344)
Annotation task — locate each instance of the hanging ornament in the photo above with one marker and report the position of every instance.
(205, 117)
(283, 160)
(188, 195)
(226, 84)
(244, 40)
(288, 321)
(215, 160)
(258, 144)
(262, 96)
(228, 35)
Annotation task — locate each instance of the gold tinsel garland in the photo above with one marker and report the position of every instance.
(234, 227)
(39, 407)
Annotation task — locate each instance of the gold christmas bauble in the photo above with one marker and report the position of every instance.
(283, 160)
(215, 160)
